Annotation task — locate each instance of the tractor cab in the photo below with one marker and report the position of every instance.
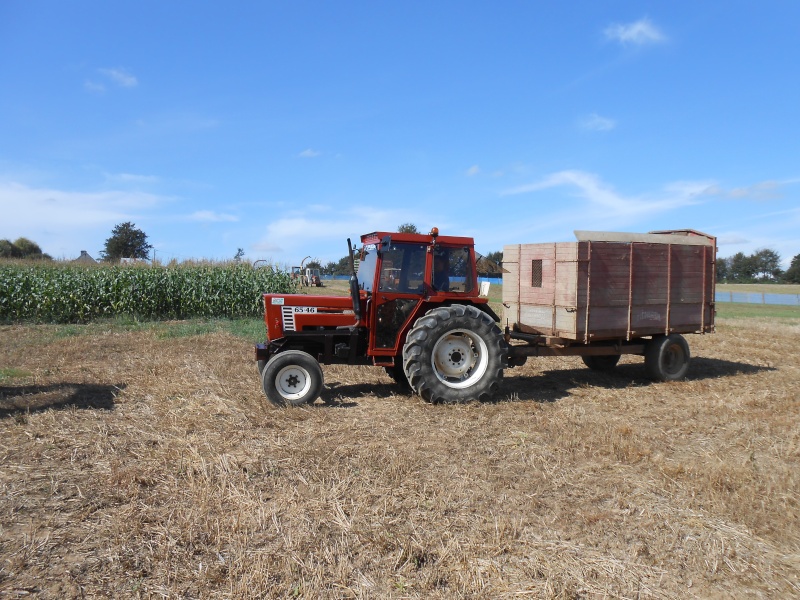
(401, 275)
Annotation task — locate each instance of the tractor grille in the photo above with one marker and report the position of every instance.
(288, 318)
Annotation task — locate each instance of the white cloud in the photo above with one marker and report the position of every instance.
(473, 170)
(131, 178)
(732, 239)
(309, 153)
(595, 122)
(610, 203)
(121, 77)
(639, 33)
(209, 216)
(287, 238)
(65, 222)
(94, 87)
(765, 190)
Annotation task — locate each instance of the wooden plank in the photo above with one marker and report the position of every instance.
(566, 322)
(610, 274)
(648, 238)
(539, 317)
(566, 283)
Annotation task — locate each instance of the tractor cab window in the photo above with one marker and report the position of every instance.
(366, 267)
(403, 268)
(452, 270)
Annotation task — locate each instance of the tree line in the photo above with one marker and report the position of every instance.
(762, 266)
(22, 248)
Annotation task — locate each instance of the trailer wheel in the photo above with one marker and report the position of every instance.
(666, 357)
(601, 362)
(292, 378)
(455, 354)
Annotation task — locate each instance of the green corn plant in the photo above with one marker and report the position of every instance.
(78, 294)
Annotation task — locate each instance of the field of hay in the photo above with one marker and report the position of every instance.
(144, 462)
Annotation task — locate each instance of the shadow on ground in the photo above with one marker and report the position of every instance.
(15, 400)
(547, 386)
(344, 396)
(550, 386)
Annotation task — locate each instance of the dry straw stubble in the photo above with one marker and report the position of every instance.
(152, 466)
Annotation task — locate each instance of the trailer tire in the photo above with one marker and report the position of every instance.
(261, 363)
(455, 354)
(666, 357)
(601, 362)
(292, 378)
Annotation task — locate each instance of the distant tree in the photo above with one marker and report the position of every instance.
(22, 248)
(126, 241)
(490, 265)
(313, 264)
(9, 250)
(343, 266)
(742, 268)
(792, 274)
(239, 255)
(723, 269)
(767, 265)
(407, 228)
(330, 268)
(27, 247)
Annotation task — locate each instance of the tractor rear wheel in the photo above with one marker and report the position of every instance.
(292, 378)
(666, 357)
(455, 354)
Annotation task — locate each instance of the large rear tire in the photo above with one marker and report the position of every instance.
(292, 378)
(455, 354)
(666, 357)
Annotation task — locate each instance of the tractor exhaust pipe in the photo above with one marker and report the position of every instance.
(354, 291)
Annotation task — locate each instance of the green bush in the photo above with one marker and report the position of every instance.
(51, 293)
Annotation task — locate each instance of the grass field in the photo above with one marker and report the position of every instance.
(759, 288)
(140, 460)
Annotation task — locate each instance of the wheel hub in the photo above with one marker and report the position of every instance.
(454, 356)
(292, 382)
(459, 358)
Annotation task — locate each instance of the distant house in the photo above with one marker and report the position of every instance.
(85, 259)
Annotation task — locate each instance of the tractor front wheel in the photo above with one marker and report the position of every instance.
(292, 378)
(455, 354)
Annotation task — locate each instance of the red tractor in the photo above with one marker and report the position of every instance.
(414, 309)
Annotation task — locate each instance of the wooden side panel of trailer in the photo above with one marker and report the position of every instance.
(596, 290)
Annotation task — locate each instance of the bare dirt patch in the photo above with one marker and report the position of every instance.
(133, 465)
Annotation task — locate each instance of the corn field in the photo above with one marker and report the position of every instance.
(78, 294)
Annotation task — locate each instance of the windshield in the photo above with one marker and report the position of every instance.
(452, 269)
(366, 267)
(403, 268)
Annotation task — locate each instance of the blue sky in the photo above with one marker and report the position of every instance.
(285, 127)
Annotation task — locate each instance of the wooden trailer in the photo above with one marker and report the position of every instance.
(609, 294)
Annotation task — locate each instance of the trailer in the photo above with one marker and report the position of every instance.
(609, 294)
